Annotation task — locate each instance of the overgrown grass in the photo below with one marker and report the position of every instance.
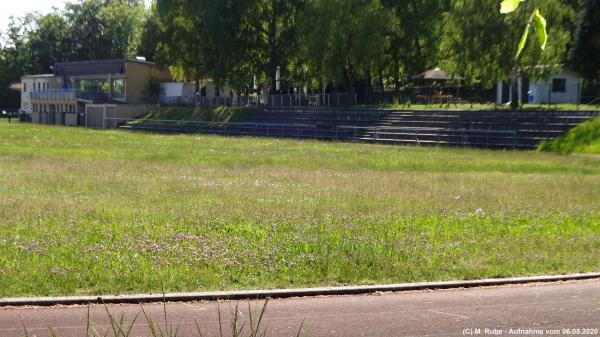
(585, 138)
(213, 114)
(97, 212)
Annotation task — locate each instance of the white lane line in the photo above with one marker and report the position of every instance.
(449, 314)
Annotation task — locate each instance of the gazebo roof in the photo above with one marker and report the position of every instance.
(436, 74)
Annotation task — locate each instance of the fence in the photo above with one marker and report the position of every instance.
(286, 100)
(220, 128)
(419, 136)
(9, 116)
(430, 95)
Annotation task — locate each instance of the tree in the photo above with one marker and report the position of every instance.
(104, 29)
(15, 59)
(480, 45)
(273, 31)
(48, 42)
(202, 38)
(151, 34)
(345, 39)
(122, 24)
(584, 52)
(414, 44)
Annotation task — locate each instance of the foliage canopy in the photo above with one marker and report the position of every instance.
(321, 45)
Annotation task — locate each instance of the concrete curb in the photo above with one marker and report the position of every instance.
(285, 293)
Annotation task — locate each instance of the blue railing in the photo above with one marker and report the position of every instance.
(65, 95)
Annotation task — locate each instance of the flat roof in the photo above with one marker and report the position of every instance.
(96, 67)
(104, 61)
(90, 67)
(38, 76)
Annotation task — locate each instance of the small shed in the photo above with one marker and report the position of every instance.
(177, 89)
(560, 88)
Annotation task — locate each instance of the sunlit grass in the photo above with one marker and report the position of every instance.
(585, 139)
(96, 212)
(213, 114)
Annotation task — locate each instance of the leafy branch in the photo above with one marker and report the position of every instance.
(536, 18)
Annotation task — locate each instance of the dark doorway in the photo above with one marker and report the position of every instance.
(505, 92)
(525, 90)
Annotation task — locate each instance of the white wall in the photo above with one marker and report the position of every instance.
(542, 90)
(177, 89)
(170, 89)
(33, 83)
(209, 85)
(188, 89)
(26, 89)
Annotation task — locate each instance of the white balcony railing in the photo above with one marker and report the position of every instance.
(64, 95)
(70, 95)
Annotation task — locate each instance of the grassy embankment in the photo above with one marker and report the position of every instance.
(225, 114)
(585, 138)
(97, 212)
(240, 114)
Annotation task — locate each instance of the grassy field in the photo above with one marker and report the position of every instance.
(99, 212)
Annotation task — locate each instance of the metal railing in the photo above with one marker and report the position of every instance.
(285, 100)
(416, 135)
(221, 128)
(177, 100)
(311, 100)
(65, 95)
(54, 95)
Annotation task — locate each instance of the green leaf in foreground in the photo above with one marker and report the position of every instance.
(540, 28)
(509, 6)
(523, 40)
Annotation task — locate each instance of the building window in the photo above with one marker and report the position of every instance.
(105, 87)
(119, 86)
(559, 85)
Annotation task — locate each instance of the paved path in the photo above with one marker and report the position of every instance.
(541, 307)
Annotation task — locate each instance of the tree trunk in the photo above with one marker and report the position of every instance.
(273, 76)
(514, 89)
(349, 78)
(217, 84)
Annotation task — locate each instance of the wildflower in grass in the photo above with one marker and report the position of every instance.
(155, 248)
